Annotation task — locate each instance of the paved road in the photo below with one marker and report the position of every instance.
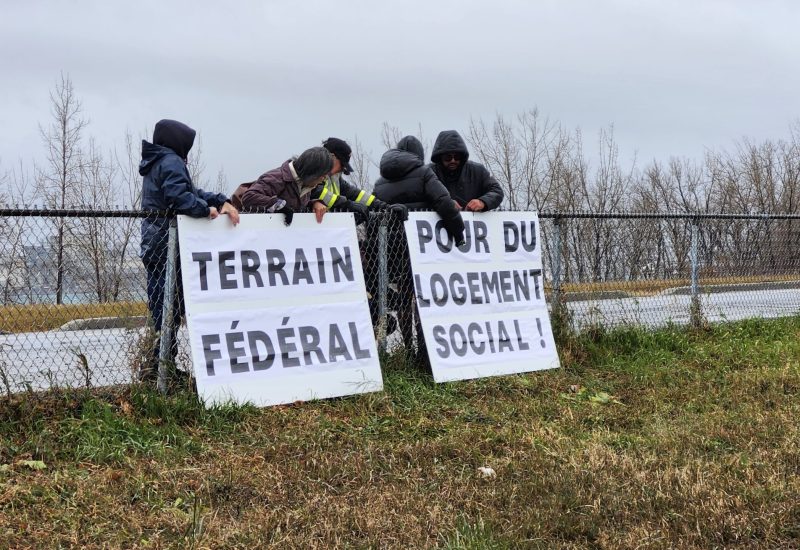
(40, 360)
(659, 310)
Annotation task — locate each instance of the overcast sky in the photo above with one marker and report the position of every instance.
(263, 80)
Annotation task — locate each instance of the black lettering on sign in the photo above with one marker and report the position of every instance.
(301, 271)
(443, 240)
(286, 345)
(458, 340)
(504, 341)
(516, 233)
(438, 289)
(521, 343)
(474, 333)
(440, 336)
(309, 342)
(276, 261)
(254, 338)
(234, 352)
(473, 281)
(210, 353)
(250, 265)
(480, 236)
(424, 234)
(457, 289)
(225, 270)
(338, 347)
(361, 353)
(342, 264)
(202, 258)
(422, 301)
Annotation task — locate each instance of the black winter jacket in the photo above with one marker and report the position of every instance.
(471, 180)
(406, 180)
(168, 186)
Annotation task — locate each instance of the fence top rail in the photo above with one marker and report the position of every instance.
(665, 215)
(555, 215)
(81, 213)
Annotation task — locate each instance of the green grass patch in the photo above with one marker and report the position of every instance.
(669, 438)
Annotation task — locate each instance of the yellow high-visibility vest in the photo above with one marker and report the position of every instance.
(331, 192)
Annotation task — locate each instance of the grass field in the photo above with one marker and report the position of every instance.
(39, 317)
(643, 439)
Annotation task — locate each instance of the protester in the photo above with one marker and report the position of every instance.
(336, 192)
(167, 186)
(405, 179)
(470, 184)
(286, 189)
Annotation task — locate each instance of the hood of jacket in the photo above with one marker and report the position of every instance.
(449, 141)
(412, 145)
(396, 163)
(169, 137)
(174, 135)
(151, 154)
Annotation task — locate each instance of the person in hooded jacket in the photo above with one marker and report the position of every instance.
(287, 188)
(470, 184)
(406, 179)
(167, 186)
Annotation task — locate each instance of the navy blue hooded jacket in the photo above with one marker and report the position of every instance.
(168, 186)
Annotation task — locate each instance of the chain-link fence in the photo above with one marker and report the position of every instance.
(74, 291)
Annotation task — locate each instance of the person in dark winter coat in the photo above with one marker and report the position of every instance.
(167, 186)
(406, 179)
(286, 189)
(336, 192)
(470, 184)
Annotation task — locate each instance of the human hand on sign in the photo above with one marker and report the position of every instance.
(213, 213)
(231, 211)
(319, 210)
(476, 205)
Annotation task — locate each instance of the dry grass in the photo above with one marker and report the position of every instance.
(644, 287)
(671, 439)
(39, 317)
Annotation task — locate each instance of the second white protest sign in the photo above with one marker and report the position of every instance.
(482, 305)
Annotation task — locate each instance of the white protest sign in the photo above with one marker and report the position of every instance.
(277, 314)
(482, 305)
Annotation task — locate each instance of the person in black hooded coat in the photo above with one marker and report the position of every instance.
(405, 179)
(167, 186)
(470, 184)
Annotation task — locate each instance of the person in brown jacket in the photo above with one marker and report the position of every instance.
(286, 189)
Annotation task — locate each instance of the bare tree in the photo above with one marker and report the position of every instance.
(58, 182)
(362, 165)
(390, 135)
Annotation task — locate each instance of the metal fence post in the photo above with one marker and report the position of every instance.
(165, 356)
(383, 283)
(695, 308)
(557, 239)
